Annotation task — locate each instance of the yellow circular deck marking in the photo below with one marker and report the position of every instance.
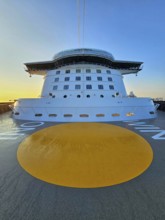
(85, 155)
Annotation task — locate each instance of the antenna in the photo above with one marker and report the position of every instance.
(83, 23)
(78, 21)
(81, 4)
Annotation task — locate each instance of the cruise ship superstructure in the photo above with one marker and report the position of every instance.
(84, 85)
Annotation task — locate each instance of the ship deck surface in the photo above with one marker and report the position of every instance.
(25, 197)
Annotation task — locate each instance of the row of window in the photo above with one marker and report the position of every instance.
(88, 78)
(86, 115)
(86, 70)
(66, 87)
(79, 96)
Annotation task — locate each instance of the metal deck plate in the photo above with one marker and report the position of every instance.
(25, 197)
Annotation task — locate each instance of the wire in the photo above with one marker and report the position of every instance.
(83, 23)
(78, 21)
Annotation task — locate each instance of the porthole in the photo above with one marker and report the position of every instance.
(52, 115)
(101, 96)
(78, 96)
(115, 114)
(16, 113)
(130, 114)
(65, 96)
(100, 115)
(84, 115)
(67, 115)
(152, 113)
(58, 72)
(108, 71)
(38, 115)
(88, 96)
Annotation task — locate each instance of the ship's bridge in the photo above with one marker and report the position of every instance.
(83, 56)
(82, 52)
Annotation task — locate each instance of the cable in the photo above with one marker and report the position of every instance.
(83, 23)
(78, 21)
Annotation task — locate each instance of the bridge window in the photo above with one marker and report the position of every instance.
(99, 78)
(100, 87)
(100, 115)
(66, 87)
(38, 115)
(78, 78)
(111, 87)
(98, 71)
(88, 86)
(67, 71)
(88, 70)
(55, 87)
(67, 115)
(109, 79)
(67, 78)
(77, 86)
(78, 70)
(130, 114)
(88, 78)
(52, 115)
(58, 72)
(115, 114)
(84, 115)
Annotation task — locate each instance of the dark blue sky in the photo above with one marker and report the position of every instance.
(36, 30)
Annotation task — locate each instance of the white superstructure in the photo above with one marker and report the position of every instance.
(84, 85)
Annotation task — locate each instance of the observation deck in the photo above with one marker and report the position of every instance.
(83, 56)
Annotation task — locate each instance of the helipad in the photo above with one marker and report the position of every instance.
(140, 197)
(85, 155)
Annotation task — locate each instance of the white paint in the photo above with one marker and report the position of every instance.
(17, 132)
(139, 123)
(31, 124)
(7, 138)
(55, 99)
(159, 136)
(152, 128)
(144, 128)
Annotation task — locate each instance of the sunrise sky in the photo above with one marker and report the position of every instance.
(36, 30)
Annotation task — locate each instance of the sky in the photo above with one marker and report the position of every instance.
(35, 30)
